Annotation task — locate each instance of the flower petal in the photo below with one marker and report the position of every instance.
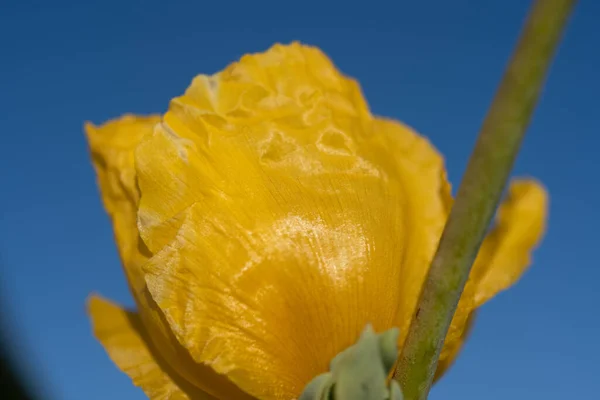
(504, 256)
(283, 218)
(426, 199)
(124, 337)
(506, 252)
(112, 146)
(453, 348)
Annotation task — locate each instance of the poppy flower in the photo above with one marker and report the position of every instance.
(267, 218)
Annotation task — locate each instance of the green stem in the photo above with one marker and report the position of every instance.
(479, 194)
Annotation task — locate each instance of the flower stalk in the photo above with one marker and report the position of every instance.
(479, 193)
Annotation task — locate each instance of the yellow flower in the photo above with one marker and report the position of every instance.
(266, 218)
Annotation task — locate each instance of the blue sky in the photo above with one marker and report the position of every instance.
(433, 64)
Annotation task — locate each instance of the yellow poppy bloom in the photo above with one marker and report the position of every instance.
(266, 219)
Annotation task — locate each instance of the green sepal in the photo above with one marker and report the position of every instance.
(361, 371)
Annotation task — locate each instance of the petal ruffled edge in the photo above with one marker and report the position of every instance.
(112, 147)
(506, 252)
(123, 336)
(503, 258)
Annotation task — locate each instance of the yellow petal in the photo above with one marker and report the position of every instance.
(504, 256)
(453, 348)
(112, 146)
(426, 200)
(124, 337)
(456, 334)
(506, 252)
(283, 218)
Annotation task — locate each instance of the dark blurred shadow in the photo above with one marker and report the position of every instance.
(12, 384)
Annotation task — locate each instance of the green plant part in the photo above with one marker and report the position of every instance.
(361, 371)
(479, 193)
